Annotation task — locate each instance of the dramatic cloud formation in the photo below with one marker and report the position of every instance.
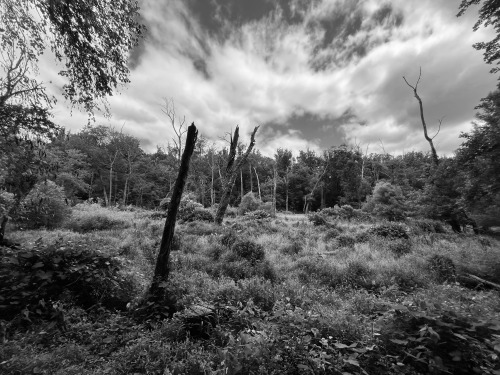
(312, 73)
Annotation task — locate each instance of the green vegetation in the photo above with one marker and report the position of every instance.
(282, 297)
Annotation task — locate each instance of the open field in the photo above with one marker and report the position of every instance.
(272, 296)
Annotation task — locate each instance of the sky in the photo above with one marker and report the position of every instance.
(312, 73)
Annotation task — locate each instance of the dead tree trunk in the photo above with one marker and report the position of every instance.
(424, 125)
(162, 268)
(232, 172)
(258, 183)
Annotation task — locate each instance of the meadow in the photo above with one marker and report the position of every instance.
(258, 295)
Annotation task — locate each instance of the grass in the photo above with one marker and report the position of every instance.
(318, 299)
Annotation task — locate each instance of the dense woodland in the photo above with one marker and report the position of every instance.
(113, 260)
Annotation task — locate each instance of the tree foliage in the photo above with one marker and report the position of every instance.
(489, 15)
(91, 37)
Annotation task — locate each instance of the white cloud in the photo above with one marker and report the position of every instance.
(262, 74)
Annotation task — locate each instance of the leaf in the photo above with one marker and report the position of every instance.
(352, 362)
(399, 342)
(303, 367)
(460, 336)
(497, 348)
(37, 265)
(339, 345)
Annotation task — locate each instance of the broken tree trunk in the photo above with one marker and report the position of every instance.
(232, 172)
(162, 268)
(258, 183)
(435, 158)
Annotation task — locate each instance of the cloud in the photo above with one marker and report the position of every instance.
(297, 68)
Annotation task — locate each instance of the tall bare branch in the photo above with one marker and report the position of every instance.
(424, 125)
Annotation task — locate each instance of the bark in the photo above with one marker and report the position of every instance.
(435, 158)
(241, 183)
(258, 183)
(162, 268)
(3, 225)
(232, 172)
(275, 184)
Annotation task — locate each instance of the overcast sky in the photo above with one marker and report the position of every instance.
(312, 73)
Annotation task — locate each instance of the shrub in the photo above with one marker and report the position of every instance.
(249, 250)
(229, 238)
(428, 226)
(266, 206)
(249, 203)
(387, 201)
(357, 274)
(86, 218)
(258, 214)
(400, 247)
(199, 214)
(363, 236)
(346, 240)
(186, 208)
(240, 268)
(391, 231)
(6, 202)
(292, 248)
(29, 276)
(346, 212)
(331, 234)
(317, 219)
(442, 267)
(44, 206)
(329, 212)
(216, 251)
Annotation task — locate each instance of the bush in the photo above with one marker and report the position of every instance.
(90, 278)
(258, 214)
(249, 203)
(331, 234)
(199, 214)
(292, 248)
(428, 226)
(391, 231)
(442, 267)
(186, 208)
(249, 250)
(346, 212)
(229, 238)
(329, 212)
(44, 206)
(346, 240)
(87, 218)
(400, 247)
(387, 201)
(6, 202)
(363, 236)
(317, 219)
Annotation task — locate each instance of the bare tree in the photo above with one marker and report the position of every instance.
(162, 268)
(177, 123)
(231, 171)
(424, 125)
(16, 83)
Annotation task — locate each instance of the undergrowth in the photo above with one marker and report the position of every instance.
(262, 295)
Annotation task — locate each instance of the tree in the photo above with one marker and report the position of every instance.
(92, 37)
(284, 162)
(231, 171)
(435, 158)
(488, 15)
(162, 268)
(479, 154)
(177, 124)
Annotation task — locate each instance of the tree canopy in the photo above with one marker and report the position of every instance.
(91, 37)
(489, 14)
